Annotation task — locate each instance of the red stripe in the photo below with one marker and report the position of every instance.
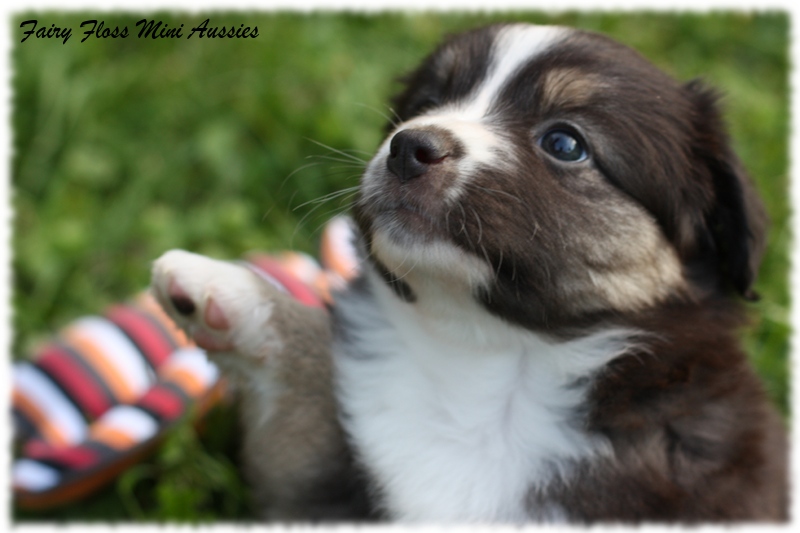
(36, 448)
(76, 382)
(72, 457)
(296, 288)
(162, 402)
(144, 333)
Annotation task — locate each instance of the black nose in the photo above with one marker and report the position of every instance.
(413, 152)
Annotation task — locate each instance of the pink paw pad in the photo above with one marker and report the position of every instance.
(214, 316)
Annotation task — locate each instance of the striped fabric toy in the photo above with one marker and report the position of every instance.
(99, 396)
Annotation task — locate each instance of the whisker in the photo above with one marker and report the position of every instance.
(464, 225)
(327, 197)
(379, 112)
(480, 226)
(398, 117)
(403, 262)
(340, 152)
(514, 274)
(329, 215)
(340, 208)
(495, 191)
(489, 262)
(359, 164)
(295, 171)
(499, 264)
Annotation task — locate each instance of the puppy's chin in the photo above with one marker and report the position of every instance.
(423, 257)
(408, 225)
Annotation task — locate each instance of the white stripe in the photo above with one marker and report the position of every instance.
(131, 421)
(514, 46)
(59, 409)
(34, 476)
(195, 361)
(341, 234)
(340, 230)
(264, 275)
(469, 119)
(118, 350)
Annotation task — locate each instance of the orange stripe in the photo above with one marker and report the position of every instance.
(148, 303)
(111, 375)
(111, 436)
(185, 379)
(323, 287)
(295, 265)
(50, 431)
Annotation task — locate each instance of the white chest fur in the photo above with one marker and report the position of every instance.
(462, 431)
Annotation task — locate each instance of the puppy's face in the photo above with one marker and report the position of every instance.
(557, 175)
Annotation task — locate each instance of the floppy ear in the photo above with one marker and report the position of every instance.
(736, 221)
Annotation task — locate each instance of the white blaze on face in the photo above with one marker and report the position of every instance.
(514, 47)
(470, 119)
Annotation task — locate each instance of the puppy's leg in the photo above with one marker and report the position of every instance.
(276, 352)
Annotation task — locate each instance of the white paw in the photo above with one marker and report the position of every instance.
(225, 307)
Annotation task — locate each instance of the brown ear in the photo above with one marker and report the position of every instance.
(736, 222)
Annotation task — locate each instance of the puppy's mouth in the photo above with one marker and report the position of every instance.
(403, 220)
(406, 187)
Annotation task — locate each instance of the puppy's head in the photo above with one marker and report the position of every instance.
(554, 175)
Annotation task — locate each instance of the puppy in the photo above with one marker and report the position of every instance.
(554, 239)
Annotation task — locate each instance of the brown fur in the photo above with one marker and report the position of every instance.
(695, 439)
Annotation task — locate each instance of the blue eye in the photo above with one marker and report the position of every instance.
(564, 146)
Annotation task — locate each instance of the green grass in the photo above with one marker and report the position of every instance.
(127, 148)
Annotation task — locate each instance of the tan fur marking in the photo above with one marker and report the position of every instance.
(569, 87)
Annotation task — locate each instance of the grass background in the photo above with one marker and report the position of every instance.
(125, 148)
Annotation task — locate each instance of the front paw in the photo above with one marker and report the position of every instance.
(225, 307)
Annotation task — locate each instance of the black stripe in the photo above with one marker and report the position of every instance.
(154, 324)
(57, 384)
(104, 451)
(75, 355)
(158, 325)
(139, 347)
(24, 428)
(182, 394)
